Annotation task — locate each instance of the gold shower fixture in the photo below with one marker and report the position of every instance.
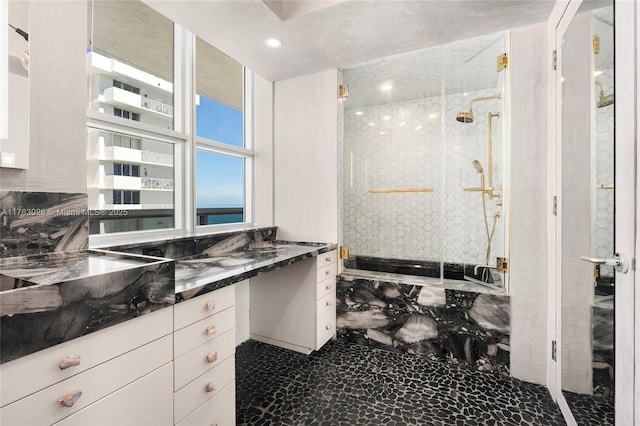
(467, 116)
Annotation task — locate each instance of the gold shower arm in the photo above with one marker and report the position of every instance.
(484, 98)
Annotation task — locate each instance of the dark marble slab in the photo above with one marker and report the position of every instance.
(603, 336)
(52, 298)
(208, 263)
(42, 222)
(457, 327)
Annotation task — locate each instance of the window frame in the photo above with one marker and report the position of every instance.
(185, 142)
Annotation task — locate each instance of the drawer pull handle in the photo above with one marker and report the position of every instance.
(328, 259)
(327, 327)
(327, 272)
(210, 306)
(210, 387)
(211, 330)
(69, 361)
(69, 399)
(328, 303)
(212, 357)
(328, 287)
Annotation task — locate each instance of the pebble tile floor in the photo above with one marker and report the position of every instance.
(348, 384)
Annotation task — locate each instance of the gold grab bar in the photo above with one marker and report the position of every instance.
(386, 190)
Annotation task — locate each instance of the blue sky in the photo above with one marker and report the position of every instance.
(219, 178)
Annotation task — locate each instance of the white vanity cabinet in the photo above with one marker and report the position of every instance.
(204, 364)
(86, 375)
(294, 307)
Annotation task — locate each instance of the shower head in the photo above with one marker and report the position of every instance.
(478, 166)
(604, 100)
(467, 116)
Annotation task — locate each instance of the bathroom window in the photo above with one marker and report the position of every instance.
(221, 151)
(137, 144)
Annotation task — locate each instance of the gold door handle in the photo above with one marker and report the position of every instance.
(69, 399)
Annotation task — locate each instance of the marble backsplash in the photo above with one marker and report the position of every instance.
(457, 327)
(42, 222)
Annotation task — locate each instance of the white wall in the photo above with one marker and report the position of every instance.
(57, 153)
(529, 204)
(305, 158)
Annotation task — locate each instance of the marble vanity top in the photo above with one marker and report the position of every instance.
(56, 267)
(212, 269)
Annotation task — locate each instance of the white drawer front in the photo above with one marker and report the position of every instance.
(202, 331)
(204, 387)
(328, 302)
(200, 307)
(325, 259)
(204, 358)
(145, 402)
(31, 373)
(325, 287)
(325, 328)
(219, 410)
(42, 407)
(326, 272)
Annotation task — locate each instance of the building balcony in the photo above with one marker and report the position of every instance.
(133, 102)
(136, 183)
(135, 156)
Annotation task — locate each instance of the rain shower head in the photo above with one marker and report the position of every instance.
(604, 100)
(467, 116)
(478, 166)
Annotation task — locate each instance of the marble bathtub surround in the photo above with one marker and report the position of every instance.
(49, 299)
(457, 327)
(42, 222)
(205, 264)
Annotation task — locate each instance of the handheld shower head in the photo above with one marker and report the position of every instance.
(478, 166)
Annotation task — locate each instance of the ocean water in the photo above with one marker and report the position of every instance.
(224, 218)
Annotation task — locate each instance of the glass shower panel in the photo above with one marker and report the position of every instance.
(406, 160)
(478, 120)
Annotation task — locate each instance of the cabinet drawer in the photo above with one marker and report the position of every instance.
(26, 375)
(145, 402)
(200, 307)
(204, 358)
(42, 407)
(325, 259)
(328, 302)
(325, 328)
(202, 331)
(219, 410)
(204, 387)
(325, 287)
(326, 272)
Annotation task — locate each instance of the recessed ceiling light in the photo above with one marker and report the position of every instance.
(359, 113)
(273, 42)
(372, 124)
(386, 117)
(386, 87)
(383, 133)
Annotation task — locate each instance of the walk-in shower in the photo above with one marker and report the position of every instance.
(409, 202)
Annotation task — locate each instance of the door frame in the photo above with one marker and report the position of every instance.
(627, 187)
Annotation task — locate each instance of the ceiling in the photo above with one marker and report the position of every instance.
(321, 35)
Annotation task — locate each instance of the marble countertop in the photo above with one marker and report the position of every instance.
(213, 269)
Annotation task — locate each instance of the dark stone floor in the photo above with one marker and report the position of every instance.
(590, 410)
(348, 384)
